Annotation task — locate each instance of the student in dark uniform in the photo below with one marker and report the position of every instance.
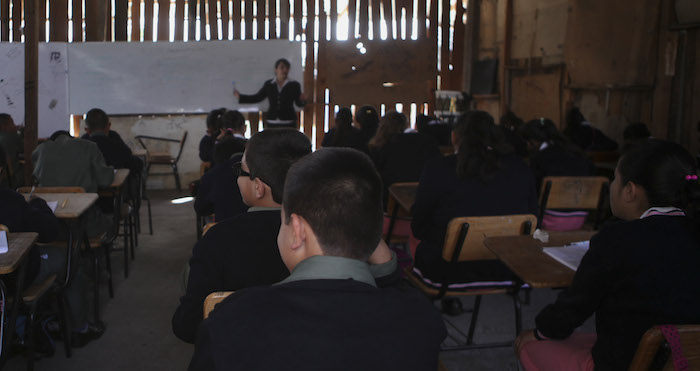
(206, 145)
(330, 313)
(343, 134)
(510, 123)
(367, 120)
(580, 132)
(281, 93)
(637, 274)
(484, 178)
(399, 152)
(242, 250)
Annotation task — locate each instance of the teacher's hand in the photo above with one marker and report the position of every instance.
(302, 97)
(236, 94)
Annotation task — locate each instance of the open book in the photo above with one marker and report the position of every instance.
(569, 255)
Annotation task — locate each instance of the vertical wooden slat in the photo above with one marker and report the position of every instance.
(409, 18)
(248, 19)
(121, 15)
(136, 20)
(321, 83)
(309, 83)
(298, 15)
(191, 19)
(203, 19)
(284, 19)
(386, 4)
(352, 11)
(272, 16)
(376, 20)
(433, 16)
(4, 20)
(58, 22)
(95, 17)
(77, 21)
(398, 5)
(31, 87)
(41, 13)
(16, 20)
(213, 20)
(458, 50)
(254, 118)
(148, 20)
(364, 19)
(236, 14)
(334, 20)
(179, 20)
(261, 19)
(445, 80)
(163, 20)
(225, 15)
(108, 21)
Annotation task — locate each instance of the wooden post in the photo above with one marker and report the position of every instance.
(31, 92)
(504, 76)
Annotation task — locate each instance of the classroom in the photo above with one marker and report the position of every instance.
(349, 185)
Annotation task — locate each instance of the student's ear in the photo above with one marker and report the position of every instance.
(109, 126)
(259, 188)
(630, 192)
(298, 225)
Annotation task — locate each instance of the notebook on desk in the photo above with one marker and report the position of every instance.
(569, 255)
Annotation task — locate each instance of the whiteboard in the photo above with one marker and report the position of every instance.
(52, 85)
(173, 77)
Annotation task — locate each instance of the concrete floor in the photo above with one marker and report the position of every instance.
(139, 337)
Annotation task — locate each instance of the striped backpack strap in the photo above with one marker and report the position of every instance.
(674, 341)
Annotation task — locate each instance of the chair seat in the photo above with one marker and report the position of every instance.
(37, 290)
(160, 158)
(470, 289)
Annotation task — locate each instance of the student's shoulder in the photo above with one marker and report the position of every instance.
(246, 301)
(10, 197)
(245, 223)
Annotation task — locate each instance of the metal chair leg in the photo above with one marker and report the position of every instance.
(177, 178)
(132, 235)
(29, 336)
(472, 322)
(96, 273)
(126, 250)
(518, 313)
(150, 220)
(108, 263)
(64, 323)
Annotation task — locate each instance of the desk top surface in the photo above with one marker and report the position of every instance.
(70, 205)
(404, 194)
(524, 256)
(19, 245)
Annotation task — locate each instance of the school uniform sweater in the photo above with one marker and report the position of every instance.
(218, 192)
(206, 148)
(554, 160)
(281, 101)
(238, 252)
(352, 139)
(635, 275)
(442, 196)
(328, 315)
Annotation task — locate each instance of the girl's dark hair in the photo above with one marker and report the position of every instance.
(666, 171)
(574, 119)
(544, 130)
(226, 148)
(511, 121)
(58, 133)
(232, 119)
(481, 146)
(7, 125)
(343, 127)
(392, 124)
(214, 118)
(283, 61)
(368, 119)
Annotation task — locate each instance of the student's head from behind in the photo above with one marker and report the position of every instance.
(343, 119)
(59, 134)
(232, 122)
(97, 121)
(480, 144)
(267, 159)
(655, 173)
(511, 121)
(226, 148)
(368, 118)
(392, 124)
(332, 206)
(214, 121)
(538, 131)
(282, 67)
(7, 125)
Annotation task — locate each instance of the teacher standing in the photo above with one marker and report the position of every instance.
(282, 94)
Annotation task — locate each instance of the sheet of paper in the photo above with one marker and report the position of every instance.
(569, 255)
(4, 246)
(52, 205)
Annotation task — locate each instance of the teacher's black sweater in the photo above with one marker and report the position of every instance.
(636, 274)
(281, 102)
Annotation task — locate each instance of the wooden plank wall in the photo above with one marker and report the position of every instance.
(435, 25)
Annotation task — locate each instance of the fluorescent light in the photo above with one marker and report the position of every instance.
(181, 200)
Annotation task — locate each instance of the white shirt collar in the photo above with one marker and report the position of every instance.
(409, 130)
(279, 89)
(239, 135)
(666, 211)
(543, 146)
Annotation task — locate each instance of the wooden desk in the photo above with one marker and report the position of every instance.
(400, 194)
(77, 203)
(140, 152)
(524, 256)
(120, 176)
(19, 245)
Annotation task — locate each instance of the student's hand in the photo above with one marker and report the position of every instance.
(236, 94)
(381, 254)
(525, 337)
(222, 133)
(302, 97)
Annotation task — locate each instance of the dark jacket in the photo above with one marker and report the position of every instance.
(351, 139)
(206, 148)
(558, 161)
(636, 274)
(403, 157)
(239, 252)
(442, 196)
(320, 324)
(218, 192)
(281, 102)
(589, 138)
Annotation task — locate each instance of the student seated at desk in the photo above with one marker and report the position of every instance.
(206, 145)
(399, 152)
(218, 192)
(367, 120)
(637, 274)
(580, 132)
(552, 155)
(13, 142)
(65, 161)
(484, 178)
(19, 215)
(329, 314)
(343, 134)
(242, 250)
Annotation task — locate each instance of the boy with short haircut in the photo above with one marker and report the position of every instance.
(329, 313)
(241, 251)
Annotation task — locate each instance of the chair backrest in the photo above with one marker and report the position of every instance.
(3, 227)
(206, 165)
(572, 192)
(182, 146)
(213, 299)
(652, 341)
(207, 227)
(474, 229)
(391, 201)
(51, 190)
